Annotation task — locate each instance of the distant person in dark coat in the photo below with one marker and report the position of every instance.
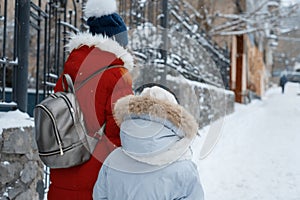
(283, 80)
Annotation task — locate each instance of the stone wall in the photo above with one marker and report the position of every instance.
(21, 171)
(205, 102)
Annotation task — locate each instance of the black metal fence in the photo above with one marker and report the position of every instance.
(35, 56)
(8, 59)
(50, 24)
(34, 34)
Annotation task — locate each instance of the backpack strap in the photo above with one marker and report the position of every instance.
(71, 88)
(68, 78)
(96, 73)
(98, 134)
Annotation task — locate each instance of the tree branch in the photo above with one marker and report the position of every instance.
(238, 24)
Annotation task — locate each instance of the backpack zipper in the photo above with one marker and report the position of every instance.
(55, 128)
(64, 149)
(69, 106)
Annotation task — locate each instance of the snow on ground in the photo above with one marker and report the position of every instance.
(14, 119)
(257, 156)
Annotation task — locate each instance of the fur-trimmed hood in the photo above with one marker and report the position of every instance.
(146, 105)
(103, 43)
(154, 131)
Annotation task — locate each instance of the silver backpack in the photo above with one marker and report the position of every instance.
(60, 130)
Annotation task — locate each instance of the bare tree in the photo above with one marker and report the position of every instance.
(261, 19)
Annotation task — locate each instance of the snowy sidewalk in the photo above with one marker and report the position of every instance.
(258, 154)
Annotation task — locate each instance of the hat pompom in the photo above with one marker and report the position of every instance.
(99, 8)
(159, 93)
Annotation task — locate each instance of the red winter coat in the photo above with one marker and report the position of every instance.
(96, 99)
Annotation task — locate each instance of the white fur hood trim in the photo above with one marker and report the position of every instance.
(102, 43)
(147, 105)
(176, 114)
(99, 8)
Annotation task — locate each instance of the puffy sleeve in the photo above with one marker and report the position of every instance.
(190, 185)
(100, 187)
(194, 189)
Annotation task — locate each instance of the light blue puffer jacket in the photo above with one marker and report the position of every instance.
(178, 180)
(154, 162)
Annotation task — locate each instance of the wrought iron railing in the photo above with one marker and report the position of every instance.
(49, 23)
(8, 59)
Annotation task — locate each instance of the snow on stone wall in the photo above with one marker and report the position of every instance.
(207, 103)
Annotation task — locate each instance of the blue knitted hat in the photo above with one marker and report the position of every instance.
(103, 19)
